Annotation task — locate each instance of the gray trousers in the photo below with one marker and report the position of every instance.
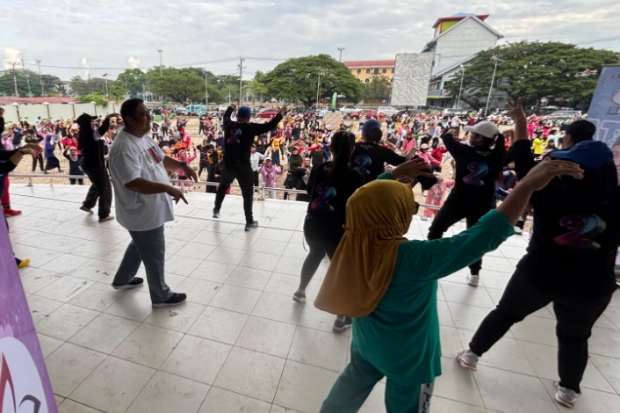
(146, 247)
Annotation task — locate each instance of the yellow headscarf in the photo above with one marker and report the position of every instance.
(378, 215)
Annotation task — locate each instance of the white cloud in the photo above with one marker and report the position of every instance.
(11, 56)
(84, 63)
(133, 62)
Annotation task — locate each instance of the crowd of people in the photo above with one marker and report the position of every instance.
(358, 181)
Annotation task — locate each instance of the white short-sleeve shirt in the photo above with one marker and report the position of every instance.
(131, 158)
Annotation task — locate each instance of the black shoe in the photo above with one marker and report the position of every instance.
(251, 226)
(136, 282)
(176, 299)
(340, 326)
(216, 213)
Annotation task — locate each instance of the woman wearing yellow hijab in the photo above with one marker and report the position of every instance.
(389, 285)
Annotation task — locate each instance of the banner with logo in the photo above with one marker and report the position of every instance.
(604, 112)
(24, 383)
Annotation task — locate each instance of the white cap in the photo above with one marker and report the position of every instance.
(484, 128)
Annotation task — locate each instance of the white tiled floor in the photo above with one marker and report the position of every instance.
(241, 343)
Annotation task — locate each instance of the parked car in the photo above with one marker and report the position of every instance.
(222, 108)
(563, 117)
(367, 113)
(195, 110)
(387, 110)
(268, 113)
(180, 111)
(347, 110)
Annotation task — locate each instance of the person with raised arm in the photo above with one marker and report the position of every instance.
(238, 139)
(389, 285)
(571, 254)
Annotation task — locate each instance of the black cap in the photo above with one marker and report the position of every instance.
(581, 130)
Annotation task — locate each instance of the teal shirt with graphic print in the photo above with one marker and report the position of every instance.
(401, 336)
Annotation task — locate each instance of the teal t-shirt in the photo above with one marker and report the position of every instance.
(401, 336)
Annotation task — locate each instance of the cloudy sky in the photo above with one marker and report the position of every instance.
(108, 36)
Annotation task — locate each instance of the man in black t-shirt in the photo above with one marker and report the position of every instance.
(478, 165)
(238, 140)
(571, 255)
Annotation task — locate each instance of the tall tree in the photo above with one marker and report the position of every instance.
(130, 82)
(52, 84)
(180, 85)
(298, 79)
(378, 88)
(533, 70)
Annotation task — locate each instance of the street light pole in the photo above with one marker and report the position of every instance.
(458, 101)
(28, 82)
(105, 77)
(160, 62)
(340, 49)
(206, 92)
(15, 80)
(318, 90)
(40, 77)
(496, 60)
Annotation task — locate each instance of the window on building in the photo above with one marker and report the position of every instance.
(384, 70)
(376, 71)
(359, 71)
(367, 80)
(392, 70)
(367, 70)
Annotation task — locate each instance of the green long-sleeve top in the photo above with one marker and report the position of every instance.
(401, 336)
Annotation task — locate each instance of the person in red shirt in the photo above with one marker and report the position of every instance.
(437, 154)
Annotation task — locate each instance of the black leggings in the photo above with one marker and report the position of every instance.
(453, 211)
(244, 177)
(576, 314)
(34, 163)
(320, 243)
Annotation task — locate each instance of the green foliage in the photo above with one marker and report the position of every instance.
(533, 70)
(183, 85)
(131, 82)
(378, 88)
(94, 97)
(52, 84)
(297, 80)
(81, 87)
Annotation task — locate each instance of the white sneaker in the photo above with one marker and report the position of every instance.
(473, 280)
(566, 397)
(467, 359)
(518, 230)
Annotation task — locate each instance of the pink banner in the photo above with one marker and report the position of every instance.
(24, 383)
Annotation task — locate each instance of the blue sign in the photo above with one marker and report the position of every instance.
(605, 107)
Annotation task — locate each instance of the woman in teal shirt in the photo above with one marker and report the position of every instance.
(389, 285)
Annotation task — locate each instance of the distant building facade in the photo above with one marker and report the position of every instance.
(456, 41)
(365, 70)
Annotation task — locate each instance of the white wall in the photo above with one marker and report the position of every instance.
(13, 113)
(462, 41)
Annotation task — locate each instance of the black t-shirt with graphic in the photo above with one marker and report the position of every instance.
(576, 231)
(477, 169)
(369, 160)
(329, 193)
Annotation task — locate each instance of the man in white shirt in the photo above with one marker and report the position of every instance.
(255, 160)
(144, 202)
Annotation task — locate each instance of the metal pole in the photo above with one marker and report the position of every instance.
(241, 60)
(206, 92)
(105, 78)
(496, 60)
(458, 101)
(318, 90)
(28, 82)
(40, 77)
(340, 49)
(160, 62)
(15, 80)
